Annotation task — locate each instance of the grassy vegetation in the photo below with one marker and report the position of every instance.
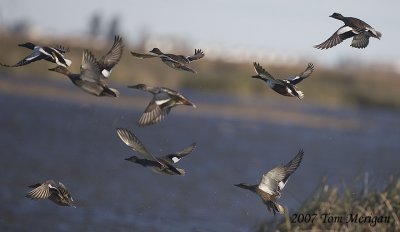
(354, 209)
(363, 86)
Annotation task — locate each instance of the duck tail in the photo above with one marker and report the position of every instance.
(300, 95)
(378, 34)
(68, 62)
(181, 171)
(279, 208)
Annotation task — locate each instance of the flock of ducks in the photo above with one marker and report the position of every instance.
(94, 75)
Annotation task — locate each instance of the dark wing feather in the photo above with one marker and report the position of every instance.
(360, 40)
(337, 38)
(143, 56)
(113, 56)
(133, 142)
(198, 54)
(175, 157)
(309, 70)
(35, 56)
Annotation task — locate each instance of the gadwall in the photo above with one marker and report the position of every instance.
(353, 27)
(272, 183)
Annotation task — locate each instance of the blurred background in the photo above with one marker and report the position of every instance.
(348, 123)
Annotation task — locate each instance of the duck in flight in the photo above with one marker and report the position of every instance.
(164, 99)
(354, 28)
(178, 62)
(285, 87)
(272, 183)
(162, 164)
(90, 79)
(57, 193)
(51, 54)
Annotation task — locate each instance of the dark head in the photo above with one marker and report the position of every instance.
(138, 86)
(60, 69)
(28, 45)
(157, 51)
(245, 186)
(134, 159)
(189, 103)
(336, 16)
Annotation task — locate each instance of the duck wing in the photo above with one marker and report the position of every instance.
(133, 142)
(143, 56)
(361, 40)
(198, 54)
(175, 157)
(339, 36)
(42, 190)
(90, 69)
(35, 56)
(275, 180)
(297, 79)
(112, 57)
(262, 73)
(154, 112)
(62, 49)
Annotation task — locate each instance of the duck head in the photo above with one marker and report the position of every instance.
(60, 69)
(336, 16)
(157, 51)
(243, 185)
(134, 159)
(185, 101)
(138, 86)
(28, 45)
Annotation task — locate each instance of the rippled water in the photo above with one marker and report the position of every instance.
(75, 142)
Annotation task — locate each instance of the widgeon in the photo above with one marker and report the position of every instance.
(272, 183)
(57, 193)
(90, 79)
(178, 62)
(286, 87)
(162, 164)
(112, 57)
(164, 99)
(353, 27)
(51, 54)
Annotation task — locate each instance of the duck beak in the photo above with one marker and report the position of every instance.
(52, 69)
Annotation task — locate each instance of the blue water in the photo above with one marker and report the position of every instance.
(75, 142)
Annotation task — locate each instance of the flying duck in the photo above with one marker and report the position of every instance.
(272, 183)
(113, 56)
(57, 193)
(286, 87)
(163, 101)
(54, 55)
(177, 62)
(162, 164)
(90, 79)
(353, 27)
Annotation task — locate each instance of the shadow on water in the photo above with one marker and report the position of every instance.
(75, 142)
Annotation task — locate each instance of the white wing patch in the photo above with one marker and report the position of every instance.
(106, 73)
(175, 159)
(265, 188)
(345, 29)
(160, 102)
(281, 185)
(44, 52)
(34, 55)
